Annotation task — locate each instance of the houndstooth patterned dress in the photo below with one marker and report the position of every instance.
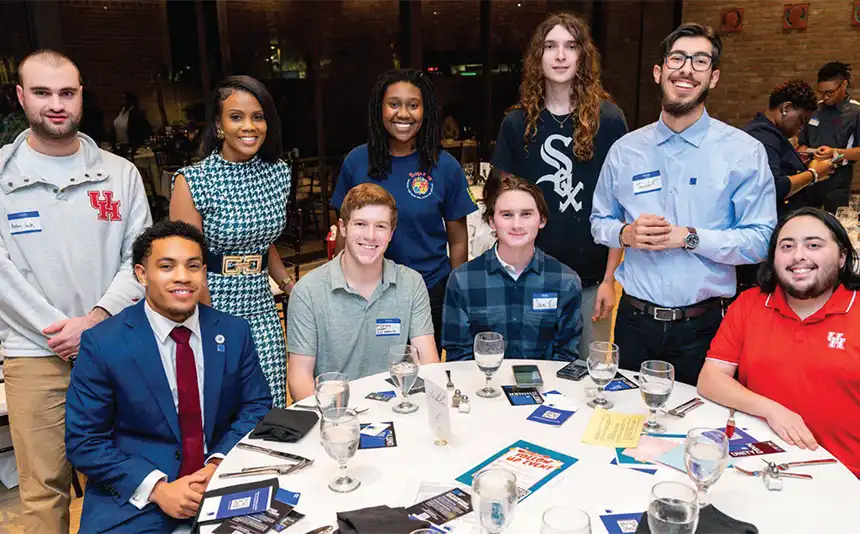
(243, 206)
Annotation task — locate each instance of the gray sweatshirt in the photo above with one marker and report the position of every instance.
(65, 247)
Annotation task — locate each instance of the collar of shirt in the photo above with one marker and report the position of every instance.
(162, 326)
(496, 264)
(694, 134)
(338, 279)
(839, 302)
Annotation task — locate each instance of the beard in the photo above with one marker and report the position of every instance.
(44, 129)
(679, 108)
(826, 281)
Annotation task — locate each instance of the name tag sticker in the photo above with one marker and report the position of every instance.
(24, 222)
(647, 182)
(814, 121)
(387, 327)
(544, 301)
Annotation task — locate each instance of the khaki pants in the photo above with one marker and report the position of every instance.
(36, 395)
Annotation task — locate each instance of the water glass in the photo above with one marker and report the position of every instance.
(331, 390)
(854, 203)
(673, 509)
(489, 351)
(564, 520)
(706, 454)
(602, 365)
(340, 436)
(656, 380)
(494, 498)
(403, 366)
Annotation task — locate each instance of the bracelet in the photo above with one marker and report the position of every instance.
(621, 236)
(283, 283)
(814, 175)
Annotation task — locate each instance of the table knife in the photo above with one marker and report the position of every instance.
(273, 452)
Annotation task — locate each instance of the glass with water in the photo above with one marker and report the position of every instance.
(331, 390)
(403, 367)
(494, 499)
(489, 348)
(673, 509)
(340, 436)
(602, 366)
(706, 454)
(656, 381)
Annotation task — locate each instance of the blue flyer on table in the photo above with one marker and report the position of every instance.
(621, 523)
(620, 383)
(252, 501)
(550, 416)
(533, 466)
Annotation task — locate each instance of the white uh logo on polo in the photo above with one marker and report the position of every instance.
(563, 178)
(836, 340)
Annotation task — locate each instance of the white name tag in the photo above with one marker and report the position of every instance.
(647, 182)
(387, 327)
(544, 301)
(813, 121)
(24, 222)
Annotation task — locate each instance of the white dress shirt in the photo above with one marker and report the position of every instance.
(508, 267)
(162, 327)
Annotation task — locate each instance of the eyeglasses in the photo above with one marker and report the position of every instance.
(827, 94)
(700, 62)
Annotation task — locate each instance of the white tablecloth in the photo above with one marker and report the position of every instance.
(392, 476)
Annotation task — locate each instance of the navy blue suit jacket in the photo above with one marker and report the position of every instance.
(121, 422)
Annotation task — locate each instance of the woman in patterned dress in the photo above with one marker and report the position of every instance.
(238, 196)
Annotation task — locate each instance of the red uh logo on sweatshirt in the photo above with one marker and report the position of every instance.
(107, 207)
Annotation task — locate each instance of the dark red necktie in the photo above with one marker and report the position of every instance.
(190, 418)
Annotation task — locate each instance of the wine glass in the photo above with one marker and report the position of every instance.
(673, 509)
(494, 498)
(403, 366)
(340, 436)
(331, 390)
(854, 202)
(656, 380)
(602, 365)
(565, 520)
(489, 350)
(706, 454)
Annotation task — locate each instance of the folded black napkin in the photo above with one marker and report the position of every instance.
(286, 426)
(378, 520)
(711, 521)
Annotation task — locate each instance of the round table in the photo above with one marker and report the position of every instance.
(392, 476)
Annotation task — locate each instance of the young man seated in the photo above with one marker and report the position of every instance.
(346, 314)
(514, 288)
(794, 343)
(160, 393)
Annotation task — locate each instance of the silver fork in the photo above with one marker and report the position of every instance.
(280, 470)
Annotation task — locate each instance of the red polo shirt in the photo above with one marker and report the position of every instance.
(812, 367)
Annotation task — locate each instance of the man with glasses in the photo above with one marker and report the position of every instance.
(834, 132)
(690, 198)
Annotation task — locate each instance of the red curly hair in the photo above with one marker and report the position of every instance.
(586, 90)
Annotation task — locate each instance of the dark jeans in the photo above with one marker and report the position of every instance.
(683, 343)
(437, 301)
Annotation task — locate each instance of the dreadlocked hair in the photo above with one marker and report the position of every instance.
(586, 89)
(429, 137)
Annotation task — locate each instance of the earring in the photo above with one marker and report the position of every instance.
(219, 133)
(784, 113)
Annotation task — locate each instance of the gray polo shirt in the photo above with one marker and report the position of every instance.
(348, 333)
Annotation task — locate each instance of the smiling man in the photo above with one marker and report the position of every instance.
(793, 342)
(690, 198)
(346, 314)
(70, 214)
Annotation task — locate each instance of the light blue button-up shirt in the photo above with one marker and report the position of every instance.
(712, 177)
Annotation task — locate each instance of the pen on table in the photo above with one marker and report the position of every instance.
(730, 424)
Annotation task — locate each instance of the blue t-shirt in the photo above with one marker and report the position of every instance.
(424, 202)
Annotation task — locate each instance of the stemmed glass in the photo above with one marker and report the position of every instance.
(673, 509)
(331, 390)
(340, 436)
(403, 367)
(656, 380)
(564, 520)
(489, 351)
(706, 454)
(494, 498)
(602, 365)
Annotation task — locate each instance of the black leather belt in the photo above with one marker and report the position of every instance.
(237, 264)
(659, 313)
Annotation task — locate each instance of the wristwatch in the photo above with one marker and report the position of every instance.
(692, 239)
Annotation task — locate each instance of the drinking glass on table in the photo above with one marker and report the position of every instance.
(340, 436)
(673, 509)
(489, 348)
(494, 498)
(602, 365)
(706, 454)
(854, 202)
(403, 367)
(331, 390)
(656, 380)
(565, 520)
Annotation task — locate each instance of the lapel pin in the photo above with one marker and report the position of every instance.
(219, 339)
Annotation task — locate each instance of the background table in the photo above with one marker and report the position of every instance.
(392, 476)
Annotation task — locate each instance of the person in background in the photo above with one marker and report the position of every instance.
(690, 198)
(402, 155)
(558, 137)
(345, 315)
(788, 351)
(71, 212)
(834, 132)
(514, 288)
(131, 127)
(237, 195)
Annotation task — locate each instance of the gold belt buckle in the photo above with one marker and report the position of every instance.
(250, 264)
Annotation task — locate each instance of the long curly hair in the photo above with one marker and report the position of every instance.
(586, 89)
(429, 138)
